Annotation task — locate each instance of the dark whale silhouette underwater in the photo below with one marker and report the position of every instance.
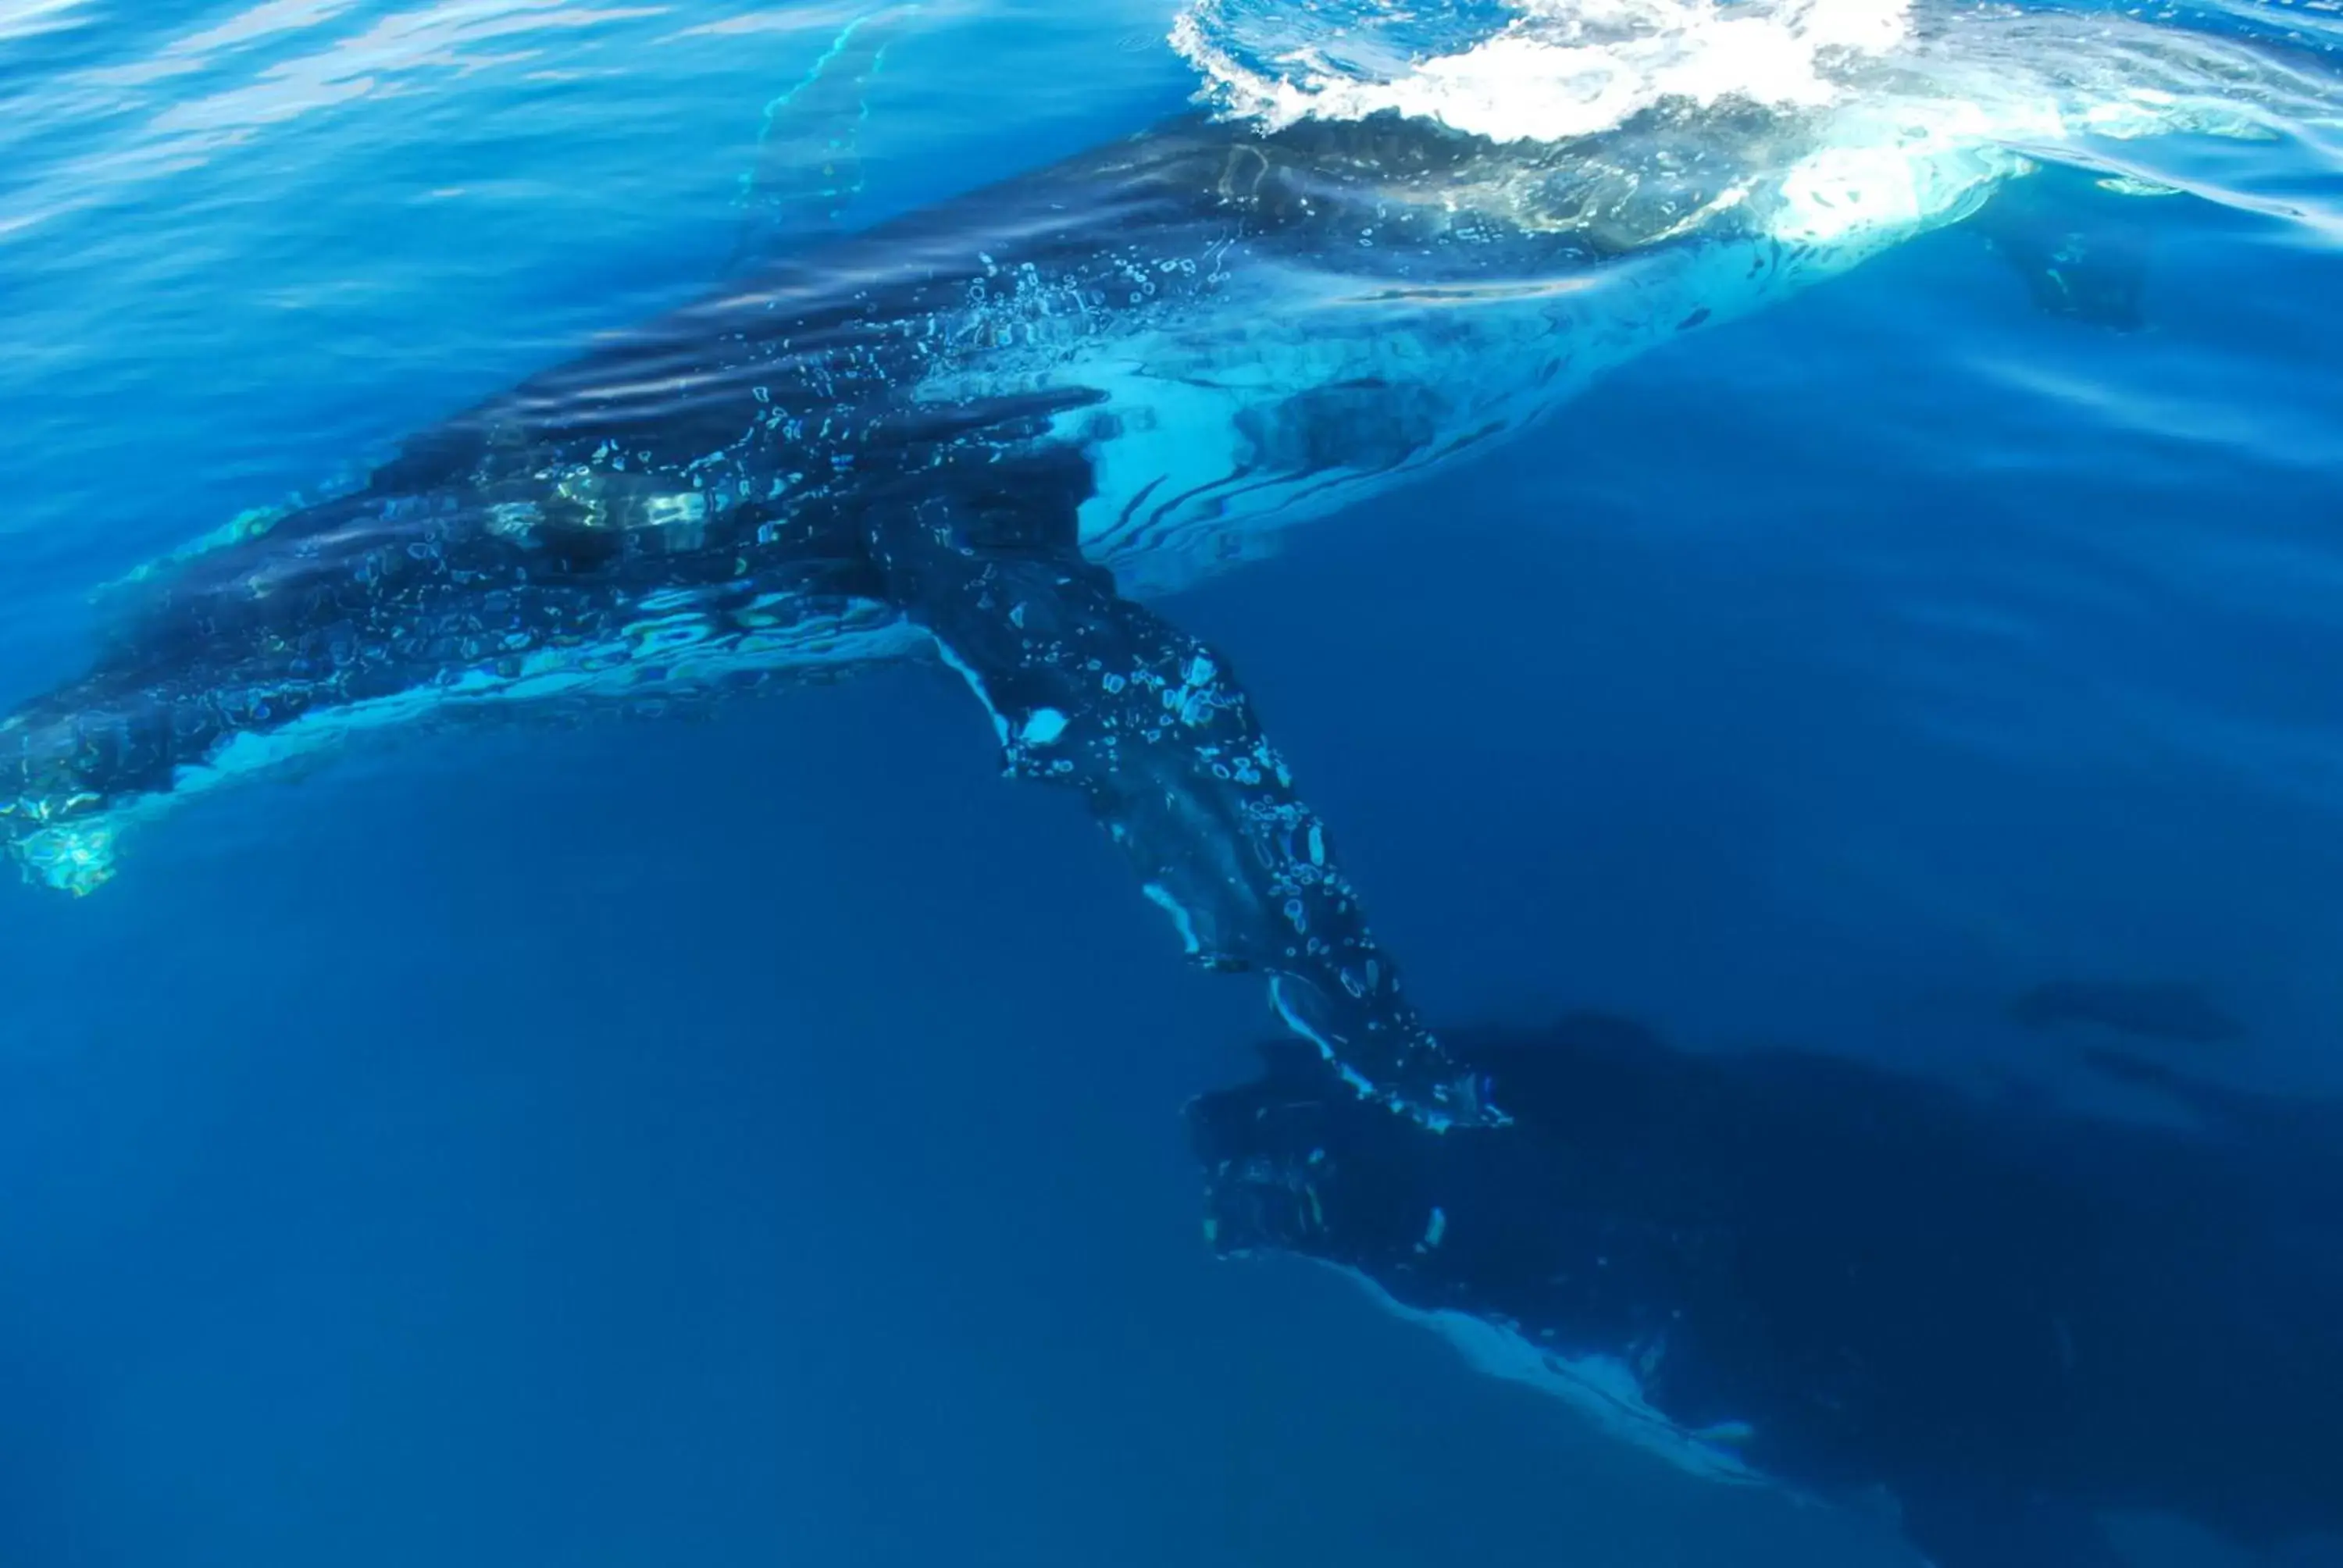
(1805, 1271)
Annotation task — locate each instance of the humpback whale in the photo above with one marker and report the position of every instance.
(1803, 1271)
(993, 432)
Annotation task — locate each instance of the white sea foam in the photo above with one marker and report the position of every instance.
(1551, 69)
(1889, 112)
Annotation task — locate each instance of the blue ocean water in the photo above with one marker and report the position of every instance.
(757, 1137)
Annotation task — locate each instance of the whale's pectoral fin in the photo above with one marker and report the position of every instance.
(2078, 239)
(810, 153)
(1993, 1527)
(1089, 690)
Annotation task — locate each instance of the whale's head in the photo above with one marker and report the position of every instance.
(82, 765)
(76, 764)
(57, 821)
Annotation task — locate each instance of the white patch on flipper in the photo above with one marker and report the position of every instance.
(976, 684)
(1160, 896)
(1364, 1086)
(1042, 726)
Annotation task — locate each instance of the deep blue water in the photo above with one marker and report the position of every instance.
(757, 1139)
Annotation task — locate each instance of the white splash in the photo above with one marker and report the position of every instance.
(1558, 68)
(1892, 113)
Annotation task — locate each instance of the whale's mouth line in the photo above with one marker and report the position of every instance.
(1458, 294)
